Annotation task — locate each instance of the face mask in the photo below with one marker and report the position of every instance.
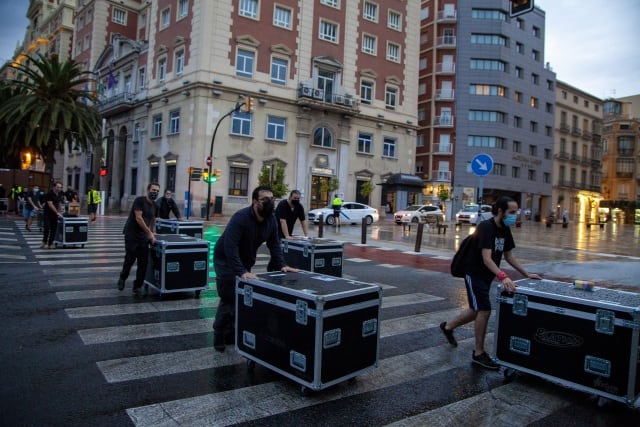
(295, 202)
(168, 196)
(36, 189)
(267, 209)
(509, 220)
(153, 195)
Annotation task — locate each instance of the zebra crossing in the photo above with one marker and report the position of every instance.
(152, 343)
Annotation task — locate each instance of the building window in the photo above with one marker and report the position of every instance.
(547, 153)
(520, 48)
(162, 69)
(517, 146)
(282, 17)
(183, 8)
(535, 55)
(533, 126)
(486, 90)
(548, 131)
(531, 174)
(322, 138)
(332, 3)
(165, 18)
(328, 31)
(517, 121)
(492, 14)
(394, 20)
(366, 92)
(533, 102)
(485, 141)
(238, 181)
(141, 78)
(536, 32)
(370, 11)
(174, 122)
(515, 172)
(391, 98)
(179, 62)
(420, 140)
(279, 71)
(535, 79)
(519, 73)
(156, 130)
(519, 24)
(533, 150)
(393, 52)
(241, 124)
(389, 147)
(518, 97)
(422, 64)
(244, 63)
(499, 169)
(119, 16)
(550, 84)
(276, 128)
(493, 39)
(487, 64)
(486, 116)
(249, 8)
(365, 143)
(549, 107)
(546, 177)
(369, 44)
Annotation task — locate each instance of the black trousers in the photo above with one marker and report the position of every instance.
(135, 251)
(49, 229)
(224, 322)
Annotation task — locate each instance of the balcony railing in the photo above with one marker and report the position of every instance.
(445, 68)
(306, 92)
(448, 16)
(443, 121)
(564, 127)
(563, 155)
(116, 103)
(442, 148)
(441, 176)
(576, 131)
(446, 41)
(586, 135)
(445, 94)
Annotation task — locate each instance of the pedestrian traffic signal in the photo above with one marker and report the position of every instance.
(103, 171)
(518, 7)
(248, 105)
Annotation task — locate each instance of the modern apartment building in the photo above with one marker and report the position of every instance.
(621, 160)
(577, 154)
(334, 84)
(485, 89)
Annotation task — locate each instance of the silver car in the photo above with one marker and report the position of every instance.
(351, 212)
(417, 213)
(473, 214)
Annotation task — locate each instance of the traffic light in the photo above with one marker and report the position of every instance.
(216, 175)
(103, 171)
(205, 175)
(248, 105)
(518, 7)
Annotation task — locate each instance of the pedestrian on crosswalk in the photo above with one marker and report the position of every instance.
(235, 254)
(138, 235)
(493, 240)
(52, 213)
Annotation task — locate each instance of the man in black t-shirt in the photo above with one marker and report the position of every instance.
(288, 212)
(138, 235)
(493, 240)
(52, 212)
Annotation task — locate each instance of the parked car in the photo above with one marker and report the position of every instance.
(473, 214)
(351, 212)
(415, 213)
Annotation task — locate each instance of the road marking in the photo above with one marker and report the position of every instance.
(138, 308)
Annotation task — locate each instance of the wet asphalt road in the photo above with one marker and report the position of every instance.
(75, 351)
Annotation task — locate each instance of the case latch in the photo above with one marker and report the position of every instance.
(605, 321)
(248, 296)
(520, 302)
(301, 312)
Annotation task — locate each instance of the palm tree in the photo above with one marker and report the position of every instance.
(48, 105)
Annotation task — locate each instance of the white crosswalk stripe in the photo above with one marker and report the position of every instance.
(84, 281)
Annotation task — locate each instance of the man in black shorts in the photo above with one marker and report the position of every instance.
(493, 240)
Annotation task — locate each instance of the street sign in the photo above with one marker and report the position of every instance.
(208, 160)
(195, 174)
(518, 7)
(482, 164)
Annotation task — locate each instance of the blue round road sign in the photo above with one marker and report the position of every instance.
(482, 164)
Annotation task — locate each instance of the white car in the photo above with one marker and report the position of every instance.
(473, 214)
(415, 213)
(351, 213)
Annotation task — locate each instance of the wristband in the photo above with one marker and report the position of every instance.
(501, 276)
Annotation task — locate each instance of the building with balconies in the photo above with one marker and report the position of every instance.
(577, 153)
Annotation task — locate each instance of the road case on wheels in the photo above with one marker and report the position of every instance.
(314, 329)
(585, 340)
(4, 206)
(72, 231)
(322, 256)
(178, 226)
(178, 263)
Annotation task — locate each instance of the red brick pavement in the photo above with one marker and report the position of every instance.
(397, 257)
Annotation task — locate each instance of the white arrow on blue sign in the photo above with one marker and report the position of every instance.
(482, 164)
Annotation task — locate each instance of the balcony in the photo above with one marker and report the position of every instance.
(586, 135)
(445, 149)
(564, 128)
(563, 155)
(441, 176)
(445, 68)
(447, 17)
(443, 121)
(445, 95)
(596, 164)
(309, 96)
(116, 104)
(446, 42)
(576, 131)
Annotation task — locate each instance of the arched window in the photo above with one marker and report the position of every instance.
(322, 138)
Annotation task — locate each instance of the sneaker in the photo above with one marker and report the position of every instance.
(121, 284)
(136, 291)
(52, 247)
(42, 245)
(448, 335)
(218, 342)
(485, 361)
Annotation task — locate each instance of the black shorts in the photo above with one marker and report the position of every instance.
(92, 208)
(478, 293)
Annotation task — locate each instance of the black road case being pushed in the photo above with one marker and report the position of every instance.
(314, 329)
(178, 226)
(72, 231)
(178, 263)
(318, 255)
(584, 340)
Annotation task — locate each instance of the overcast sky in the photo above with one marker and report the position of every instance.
(593, 45)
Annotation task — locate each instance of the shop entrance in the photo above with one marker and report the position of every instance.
(318, 198)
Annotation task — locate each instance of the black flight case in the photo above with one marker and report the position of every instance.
(178, 226)
(314, 329)
(585, 340)
(178, 263)
(72, 230)
(322, 256)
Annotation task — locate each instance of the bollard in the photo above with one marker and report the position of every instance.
(419, 236)
(363, 238)
(320, 226)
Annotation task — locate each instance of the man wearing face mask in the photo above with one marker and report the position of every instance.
(235, 254)
(52, 212)
(287, 212)
(494, 239)
(166, 205)
(138, 236)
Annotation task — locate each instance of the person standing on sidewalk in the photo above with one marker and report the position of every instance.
(93, 200)
(336, 204)
(138, 235)
(52, 212)
(288, 212)
(235, 254)
(493, 240)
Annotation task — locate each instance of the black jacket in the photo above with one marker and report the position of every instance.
(166, 206)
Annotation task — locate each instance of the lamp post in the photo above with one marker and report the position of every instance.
(213, 138)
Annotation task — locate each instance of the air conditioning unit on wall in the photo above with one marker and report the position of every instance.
(306, 91)
(348, 102)
(318, 94)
